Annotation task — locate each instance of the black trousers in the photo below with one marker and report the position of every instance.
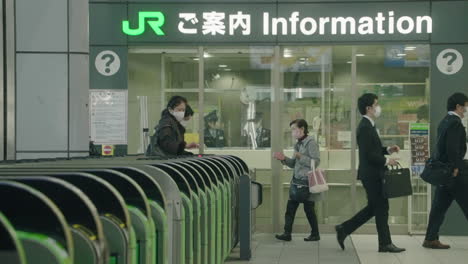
(309, 209)
(443, 198)
(377, 206)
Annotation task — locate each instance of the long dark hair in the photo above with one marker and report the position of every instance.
(173, 103)
(188, 111)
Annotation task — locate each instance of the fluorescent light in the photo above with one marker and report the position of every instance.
(222, 65)
(360, 55)
(410, 48)
(401, 54)
(287, 55)
(207, 55)
(227, 69)
(302, 59)
(196, 59)
(349, 62)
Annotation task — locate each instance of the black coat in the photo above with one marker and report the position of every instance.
(451, 146)
(371, 152)
(168, 139)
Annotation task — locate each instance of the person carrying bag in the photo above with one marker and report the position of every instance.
(447, 172)
(306, 150)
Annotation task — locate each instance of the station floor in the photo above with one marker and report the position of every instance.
(359, 249)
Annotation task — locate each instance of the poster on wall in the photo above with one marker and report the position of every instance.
(419, 137)
(108, 116)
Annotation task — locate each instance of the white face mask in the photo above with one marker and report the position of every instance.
(178, 115)
(378, 111)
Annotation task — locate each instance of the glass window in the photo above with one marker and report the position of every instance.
(237, 97)
(316, 85)
(156, 74)
(399, 75)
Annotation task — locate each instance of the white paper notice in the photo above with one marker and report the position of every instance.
(108, 116)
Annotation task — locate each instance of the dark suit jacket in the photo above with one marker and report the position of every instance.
(371, 152)
(451, 145)
(264, 138)
(219, 141)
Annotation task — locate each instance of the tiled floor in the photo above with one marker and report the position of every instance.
(359, 249)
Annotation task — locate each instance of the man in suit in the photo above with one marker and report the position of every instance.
(263, 134)
(451, 148)
(372, 165)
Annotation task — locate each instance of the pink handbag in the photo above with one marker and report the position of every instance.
(317, 182)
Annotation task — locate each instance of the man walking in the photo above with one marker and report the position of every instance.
(451, 149)
(372, 165)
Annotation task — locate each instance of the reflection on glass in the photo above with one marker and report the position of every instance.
(237, 97)
(399, 75)
(306, 77)
(316, 87)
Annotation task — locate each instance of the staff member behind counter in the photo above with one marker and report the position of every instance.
(168, 139)
(214, 137)
(263, 134)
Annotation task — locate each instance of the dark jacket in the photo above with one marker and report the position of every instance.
(264, 138)
(218, 141)
(371, 152)
(451, 146)
(168, 139)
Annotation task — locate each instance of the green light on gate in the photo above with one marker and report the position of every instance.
(155, 19)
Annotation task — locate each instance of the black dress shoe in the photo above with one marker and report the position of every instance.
(312, 238)
(340, 235)
(391, 249)
(284, 237)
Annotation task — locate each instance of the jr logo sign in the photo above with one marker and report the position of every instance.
(155, 20)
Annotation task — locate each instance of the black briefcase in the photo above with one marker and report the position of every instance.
(397, 183)
(436, 172)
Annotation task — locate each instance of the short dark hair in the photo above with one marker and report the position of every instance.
(366, 100)
(176, 101)
(188, 111)
(301, 123)
(456, 99)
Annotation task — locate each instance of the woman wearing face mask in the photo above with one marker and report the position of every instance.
(168, 139)
(305, 150)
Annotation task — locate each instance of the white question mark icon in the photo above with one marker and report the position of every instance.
(449, 61)
(107, 63)
(110, 59)
(452, 57)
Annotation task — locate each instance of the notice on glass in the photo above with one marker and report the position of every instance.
(419, 137)
(108, 116)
